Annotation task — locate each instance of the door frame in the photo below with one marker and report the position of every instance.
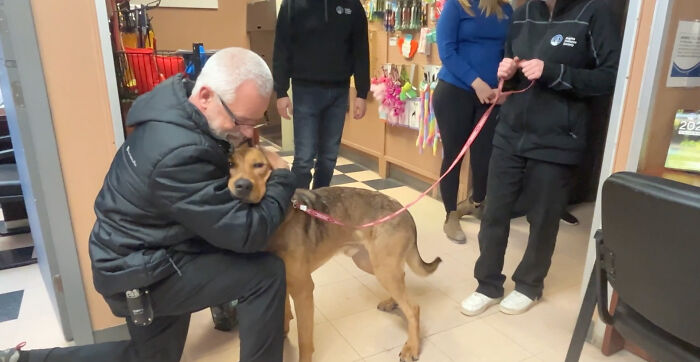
(39, 167)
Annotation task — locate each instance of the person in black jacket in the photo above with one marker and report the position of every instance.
(570, 49)
(319, 45)
(167, 223)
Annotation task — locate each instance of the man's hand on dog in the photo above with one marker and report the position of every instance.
(276, 161)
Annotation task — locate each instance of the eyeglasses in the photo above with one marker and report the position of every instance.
(262, 123)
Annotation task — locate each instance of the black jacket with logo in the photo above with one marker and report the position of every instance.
(579, 44)
(165, 198)
(321, 42)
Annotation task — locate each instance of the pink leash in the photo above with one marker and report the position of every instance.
(477, 129)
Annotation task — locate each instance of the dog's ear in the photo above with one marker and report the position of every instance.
(264, 153)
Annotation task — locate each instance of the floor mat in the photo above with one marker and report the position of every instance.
(9, 305)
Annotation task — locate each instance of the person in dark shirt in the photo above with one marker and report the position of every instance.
(571, 50)
(319, 45)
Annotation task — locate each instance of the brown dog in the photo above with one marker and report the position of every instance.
(305, 243)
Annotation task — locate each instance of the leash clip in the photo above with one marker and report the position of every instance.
(297, 205)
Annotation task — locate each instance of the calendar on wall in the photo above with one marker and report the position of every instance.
(684, 150)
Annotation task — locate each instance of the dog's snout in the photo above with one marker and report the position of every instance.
(243, 186)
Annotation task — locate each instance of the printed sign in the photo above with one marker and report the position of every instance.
(685, 61)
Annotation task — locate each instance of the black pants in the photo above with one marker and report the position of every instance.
(256, 280)
(457, 112)
(547, 193)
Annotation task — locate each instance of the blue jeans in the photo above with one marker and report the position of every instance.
(319, 117)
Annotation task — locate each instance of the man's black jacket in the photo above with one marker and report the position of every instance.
(165, 197)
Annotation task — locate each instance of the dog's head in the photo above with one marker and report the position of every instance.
(249, 170)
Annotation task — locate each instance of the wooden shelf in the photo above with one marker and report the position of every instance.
(395, 146)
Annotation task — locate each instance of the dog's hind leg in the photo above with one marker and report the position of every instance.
(302, 290)
(391, 275)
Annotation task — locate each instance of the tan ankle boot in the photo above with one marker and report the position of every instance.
(469, 207)
(453, 229)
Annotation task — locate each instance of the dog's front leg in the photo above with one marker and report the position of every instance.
(287, 313)
(303, 293)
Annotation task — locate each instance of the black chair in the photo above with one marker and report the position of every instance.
(649, 251)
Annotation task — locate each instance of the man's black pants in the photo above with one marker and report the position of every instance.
(547, 192)
(256, 280)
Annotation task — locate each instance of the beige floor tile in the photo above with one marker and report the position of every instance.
(364, 175)
(318, 316)
(478, 341)
(548, 323)
(341, 299)
(330, 272)
(373, 331)
(343, 161)
(36, 310)
(428, 352)
(329, 345)
(590, 353)
(349, 266)
(533, 359)
(438, 311)
(204, 343)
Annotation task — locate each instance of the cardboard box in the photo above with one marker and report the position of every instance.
(263, 44)
(261, 15)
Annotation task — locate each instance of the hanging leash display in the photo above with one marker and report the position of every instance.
(477, 129)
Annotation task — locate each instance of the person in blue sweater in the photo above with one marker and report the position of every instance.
(471, 36)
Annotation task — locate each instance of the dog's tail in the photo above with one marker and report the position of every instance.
(418, 265)
(413, 258)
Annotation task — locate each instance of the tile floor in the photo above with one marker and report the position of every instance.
(348, 325)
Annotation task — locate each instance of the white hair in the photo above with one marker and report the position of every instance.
(228, 68)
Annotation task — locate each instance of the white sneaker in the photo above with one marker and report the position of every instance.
(516, 303)
(477, 303)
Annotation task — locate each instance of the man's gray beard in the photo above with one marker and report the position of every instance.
(235, 139)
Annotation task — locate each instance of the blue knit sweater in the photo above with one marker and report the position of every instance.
(471, 46)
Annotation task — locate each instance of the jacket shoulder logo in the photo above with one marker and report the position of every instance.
(556, 40)
(570, 41)
(348, 11)
(339, 10)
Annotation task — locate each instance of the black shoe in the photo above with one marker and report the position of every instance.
(224, 316)
(569, 218)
